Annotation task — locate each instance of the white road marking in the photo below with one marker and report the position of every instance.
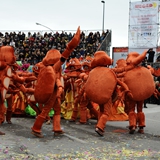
(74, 138)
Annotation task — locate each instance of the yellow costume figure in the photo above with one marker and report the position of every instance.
(19, 103)
(117, 112)
(67, 106)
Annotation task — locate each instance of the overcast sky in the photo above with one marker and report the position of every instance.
(67, 15)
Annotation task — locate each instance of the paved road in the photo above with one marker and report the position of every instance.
(152, 114)
(81, 141)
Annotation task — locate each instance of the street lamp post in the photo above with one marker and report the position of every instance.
(45, 27)
(103, 15)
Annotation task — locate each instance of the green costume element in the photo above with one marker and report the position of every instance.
(31, 112)
(19, 63)
(30, 68)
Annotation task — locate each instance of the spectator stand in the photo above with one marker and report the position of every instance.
(32, 46)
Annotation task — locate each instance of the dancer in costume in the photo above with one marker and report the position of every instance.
(49, 88)
(100, 85)
(37, 107)
(86, 107)
(73, 70)
(141, 84)
(9, 79)
(17, 101)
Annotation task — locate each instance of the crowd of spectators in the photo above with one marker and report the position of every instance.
(32, 47)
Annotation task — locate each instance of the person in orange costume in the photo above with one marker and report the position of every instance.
(16, 95)
(7, 77)
(140, 81)
(73, 71)
(85, 104)
(31, 99)
(48, 88)
(100, 85)
(7, 59)
(119, 64)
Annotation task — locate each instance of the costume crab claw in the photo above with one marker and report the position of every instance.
(138, 59)
(72, 44)
(75, 40)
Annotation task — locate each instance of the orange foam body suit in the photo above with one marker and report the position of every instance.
(7, 59)
(48, 88)
(73, 71)
(141, 84)
(99, 87)
(87, 108)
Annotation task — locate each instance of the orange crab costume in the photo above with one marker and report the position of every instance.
(118, 112)
(99, 93)
(7, 76)
(48, 88)
(141, 84)
(31, 99)
(87, 109)
(7, 58)
(73, 71)
(70, 105)
(16, 95)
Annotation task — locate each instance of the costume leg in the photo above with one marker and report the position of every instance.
(75, 110)
(93, 111)
(83, 111)
(36, 129)
(126, 108)
(140, 117)
(132, 116)
(57, 118)
(105, 110)
(9, 109)
(132, 122)
(2, 111)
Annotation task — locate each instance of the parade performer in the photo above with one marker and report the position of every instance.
(17, 99)
(100, 85)
(49, 88)
(37, 107)
(8, 76)
(86, 107)
(141, 84)
(7, 58)
(72, 72)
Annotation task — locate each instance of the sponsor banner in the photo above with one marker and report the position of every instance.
(144, 36)
(142, 13)
(143, 24)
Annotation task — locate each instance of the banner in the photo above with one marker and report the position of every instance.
(142, 13)
(143, 36)
(143, 24)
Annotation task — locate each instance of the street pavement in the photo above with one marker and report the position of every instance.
(81, 141)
